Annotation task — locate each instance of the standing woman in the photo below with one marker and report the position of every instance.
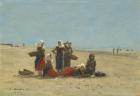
(70, 46)
(59, 52)
(67, 54)
(40, 58)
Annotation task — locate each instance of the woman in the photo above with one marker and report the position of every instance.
(40, 58)
(91, 64)
(49, 62)
(59, 52)
(67, 54)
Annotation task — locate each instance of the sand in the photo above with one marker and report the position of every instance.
(123, 76)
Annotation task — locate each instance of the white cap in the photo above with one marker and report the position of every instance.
(40, 43)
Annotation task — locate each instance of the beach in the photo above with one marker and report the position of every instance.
(123, 75)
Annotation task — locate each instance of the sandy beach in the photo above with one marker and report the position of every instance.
(123, 76)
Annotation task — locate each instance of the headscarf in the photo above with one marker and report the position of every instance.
(40, 44)
(91, 55)
(61, 42)
(49, 57)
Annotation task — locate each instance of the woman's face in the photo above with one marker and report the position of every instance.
(39, 48)
(92, 57)
(59, 43)
(67, 45)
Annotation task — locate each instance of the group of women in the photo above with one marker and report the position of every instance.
(63, 53)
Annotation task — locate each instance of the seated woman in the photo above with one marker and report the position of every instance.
(91, 64)
(82, 70)
(49, 62)
(77, 70)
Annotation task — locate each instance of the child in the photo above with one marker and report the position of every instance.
(49, 62)
(91, 64)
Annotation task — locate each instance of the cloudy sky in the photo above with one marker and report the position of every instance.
(86, 23)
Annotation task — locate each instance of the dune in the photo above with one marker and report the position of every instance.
(123, 75)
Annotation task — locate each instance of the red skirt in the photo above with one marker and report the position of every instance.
(68, 71)
(52, 73)
(41, 64)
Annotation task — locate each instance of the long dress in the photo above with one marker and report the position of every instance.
(40, 60)
(67, 56)
(47, 67)
(59, 57)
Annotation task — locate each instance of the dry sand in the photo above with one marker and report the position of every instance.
(123, 76)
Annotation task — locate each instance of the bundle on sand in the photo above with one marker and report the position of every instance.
(100, 74)
(73, 57)
(26, 72)
(33, 53)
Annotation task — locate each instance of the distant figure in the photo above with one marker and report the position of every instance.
(113, 51)
(91, 64)
(59, 53)
(40, 58)
(120, 49)
(70, 46)
(127, 49)
(117, 50)
(49, 62)
(67, 54)
(23, 44)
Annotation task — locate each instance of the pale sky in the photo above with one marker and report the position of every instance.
(86, 23)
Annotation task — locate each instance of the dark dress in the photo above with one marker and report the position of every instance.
(59, 57)
(67, 56)
(47, 68)
(90, 66)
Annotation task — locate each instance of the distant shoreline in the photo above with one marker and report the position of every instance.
(77, 49)
(108, 51)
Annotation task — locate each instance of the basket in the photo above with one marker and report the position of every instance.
(33, 53)
(73, 57)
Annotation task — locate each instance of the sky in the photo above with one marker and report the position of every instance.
(86, 23)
